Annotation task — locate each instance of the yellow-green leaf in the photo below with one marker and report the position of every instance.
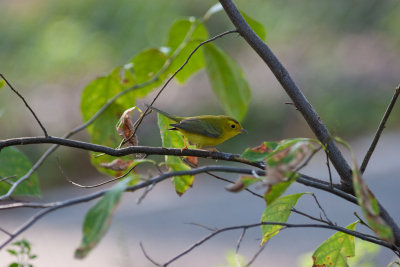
(278, 211)
(98, 219)
(13, 163)
(2, 83)
(336, 249)
(276, 190)
(173, 139)
(228, 81)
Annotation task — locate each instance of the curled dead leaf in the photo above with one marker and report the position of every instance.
(126, 128)
(116, 165)
(242, 183)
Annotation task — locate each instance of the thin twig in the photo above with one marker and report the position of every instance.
(147, 256)
(26, 104)
(310, 216)
(238, 247)
(202, 226)
(256, 255)
(229, 181)
(323, 211)
(146, 191)
(6, 232)
(177, 71)
(96, 185)
(285, 226)
(329, 169)
(5, 179)
(380, 129)
(362, 221)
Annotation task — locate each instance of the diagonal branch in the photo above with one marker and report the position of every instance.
(26, 104)
(294, 92)
(380, 129)
(301, 103)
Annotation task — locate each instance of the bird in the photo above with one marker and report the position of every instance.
(204, 130)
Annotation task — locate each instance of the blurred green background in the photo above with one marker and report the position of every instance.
(343, 54)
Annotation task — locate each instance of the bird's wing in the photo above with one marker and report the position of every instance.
(197, 126)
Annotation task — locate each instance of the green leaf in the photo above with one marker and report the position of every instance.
(366, 254)
(335, 250)
(278, 211)
(145, 66)
(98, 219)
(257, 27)
(183, 37)
(15, 163)
(2, 83)
(369, 207)
(97, 93)
(174, 139)
(94, 96)
(260, 152)
(276, 190)
(14, 264)
(12, 251)
(102, 131)
(228, 81)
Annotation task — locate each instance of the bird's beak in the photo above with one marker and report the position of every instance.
(244, 131)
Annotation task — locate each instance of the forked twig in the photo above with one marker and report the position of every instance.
(96, 185)
(323, 211)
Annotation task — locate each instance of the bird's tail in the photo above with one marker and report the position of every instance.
(169, 116)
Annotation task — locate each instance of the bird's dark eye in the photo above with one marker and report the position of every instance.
(233, 126)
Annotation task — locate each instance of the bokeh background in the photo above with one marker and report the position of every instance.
(343, 54)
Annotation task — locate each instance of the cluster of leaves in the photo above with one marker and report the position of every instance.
(137, 78)
(22, 250)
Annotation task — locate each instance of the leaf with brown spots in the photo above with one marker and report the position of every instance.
(335, 250)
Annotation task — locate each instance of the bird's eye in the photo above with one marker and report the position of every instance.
(233, 126)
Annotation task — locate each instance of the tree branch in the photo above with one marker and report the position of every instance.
(286, 225)
(49, 207)
(380, 129)
(300, 101)
(302, 104)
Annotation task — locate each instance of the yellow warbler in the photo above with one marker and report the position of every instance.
(204, 130)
